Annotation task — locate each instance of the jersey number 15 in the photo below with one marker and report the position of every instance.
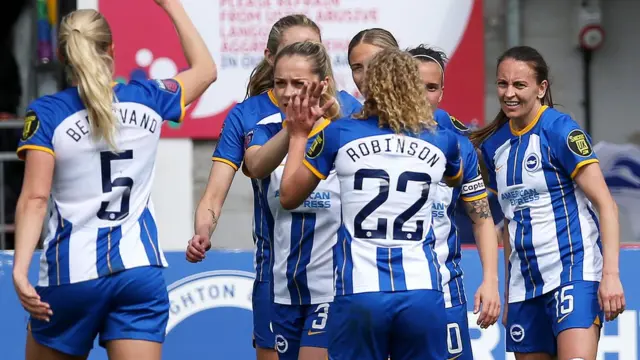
(380, 232)
(106, 157)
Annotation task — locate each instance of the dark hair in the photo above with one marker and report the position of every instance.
(261, 79)
(320, 62)
(425, 53)
(532, 57)
(375, 36)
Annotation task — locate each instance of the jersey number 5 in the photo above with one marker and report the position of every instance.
(380, 232)
(106, 157)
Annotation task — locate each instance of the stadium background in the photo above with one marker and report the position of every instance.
(472, 32)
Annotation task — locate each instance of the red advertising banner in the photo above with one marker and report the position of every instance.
(236, 31)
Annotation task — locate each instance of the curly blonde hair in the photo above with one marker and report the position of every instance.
(395, 93)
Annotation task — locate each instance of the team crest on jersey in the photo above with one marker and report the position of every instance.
(168, 85)
(316, 146)
(532, 162)
(458, 124)
(579, 143)
(31, 125)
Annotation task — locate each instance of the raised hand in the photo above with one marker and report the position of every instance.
(315, 92)
(299, 120)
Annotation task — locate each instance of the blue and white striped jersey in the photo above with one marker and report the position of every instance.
(386, 188)
(303, 239)
(448, 240)
(102, 220)
(236, 135)
(553, 230)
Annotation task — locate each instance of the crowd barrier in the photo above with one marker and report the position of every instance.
(211, 310)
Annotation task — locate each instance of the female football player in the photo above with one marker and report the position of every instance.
(388, 159)
(562, 278)
(92, 149)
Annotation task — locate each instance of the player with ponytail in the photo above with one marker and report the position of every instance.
(91, 149)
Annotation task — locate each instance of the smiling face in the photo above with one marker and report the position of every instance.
(519, 91)
(431, 75)
(290, 75)
(359, 60)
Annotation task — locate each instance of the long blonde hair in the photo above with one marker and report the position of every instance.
(261, 79)
(395, 93)
(84, 43)
(320, 65)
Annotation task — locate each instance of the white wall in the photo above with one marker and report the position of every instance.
(172, 193)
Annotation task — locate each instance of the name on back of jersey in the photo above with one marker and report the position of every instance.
(127, 116)
(393, 144)
(316, 200)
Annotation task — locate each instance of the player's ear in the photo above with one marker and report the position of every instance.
(542, 89)
(327, 81)
(268, 56)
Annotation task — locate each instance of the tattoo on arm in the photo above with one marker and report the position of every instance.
(478, 209)
(214, 218)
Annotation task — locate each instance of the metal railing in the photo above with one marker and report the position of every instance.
(6, 157)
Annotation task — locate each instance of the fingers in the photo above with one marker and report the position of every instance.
(318, 89)
(327, 105)
(196, 251)
(31, 302)
(297, 113)
(494, 313)
(196, 242)
(476, 303)
(607, 308)
(194, 255)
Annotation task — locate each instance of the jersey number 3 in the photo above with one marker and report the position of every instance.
(106, 157)
(380, 232)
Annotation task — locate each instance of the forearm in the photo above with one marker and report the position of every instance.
(30, 214)
(263, 160)
(485, 235)
(610, 233)
(206, 217)
(289, 198)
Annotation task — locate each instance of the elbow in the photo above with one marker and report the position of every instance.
(33, 201)
(212, 76)
(453, 182)
(287, 201)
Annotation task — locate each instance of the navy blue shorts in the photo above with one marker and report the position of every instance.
(458, 338)
(263, 336)
(407, 325)
(131, 304)
(298, 326)
(533, 325)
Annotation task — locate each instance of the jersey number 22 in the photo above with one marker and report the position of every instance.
(380, 232)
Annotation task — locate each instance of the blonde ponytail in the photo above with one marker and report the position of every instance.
(85, 40)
